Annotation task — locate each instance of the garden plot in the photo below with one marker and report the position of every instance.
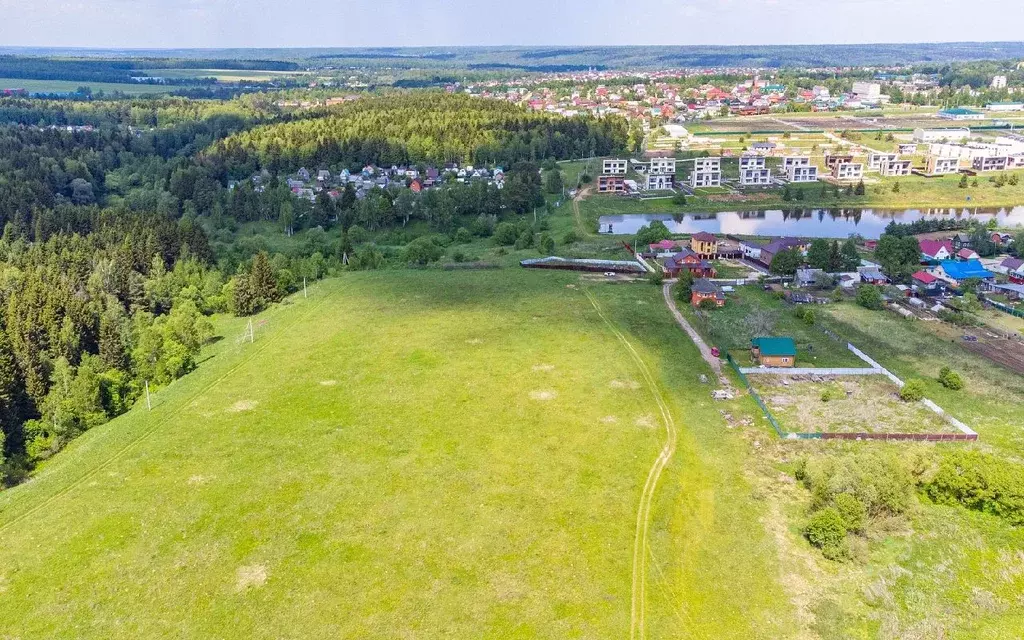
(852, 404)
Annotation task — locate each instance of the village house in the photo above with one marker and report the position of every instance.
(773, 352)
(704, 289)
(955, 272)
(687, 260)
(877, 159)
(832, 160)
(935, 251)
(967, 254)
(663, 165)
(756, 177)
(789, 162)
(664, 248)
(962, 241)
(659, 181)
(751, 162)
(925, 284)
(704, 245)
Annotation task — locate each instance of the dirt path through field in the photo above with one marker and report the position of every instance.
(641, 548)
(705, 350)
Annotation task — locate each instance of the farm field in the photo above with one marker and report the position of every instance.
(858, 404)
(224, 75)
(417, 453)
(68, 86)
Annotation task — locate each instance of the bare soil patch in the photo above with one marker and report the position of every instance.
(250, 577)
(631, 385)
(242, 405)
(543, 395)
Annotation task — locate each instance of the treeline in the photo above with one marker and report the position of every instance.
(122, 70)
(417, 128)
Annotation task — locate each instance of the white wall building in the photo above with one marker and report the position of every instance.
(794, 161)
(877, 159)
(848, 171)
(867, 90)
(991, 163)
(939, 135)
(999, 82)
(615, 167)
(659, 181)
(756, 177)
(663, 165)
(803, 173)
(895, 168)
(1004, 107)
(936, 165)
(751, 162)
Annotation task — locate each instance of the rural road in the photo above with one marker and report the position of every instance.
(705, 350)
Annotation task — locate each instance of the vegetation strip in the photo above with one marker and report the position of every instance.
(640, 545)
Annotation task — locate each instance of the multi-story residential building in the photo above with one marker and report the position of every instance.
(867, 90)
(713, 163)
(895, 168)
(877, 159)
(707, 172)
(936, 165)
(908, 148)
(748, 162)
(615, 167)
(998, 82)
(657, 181)
(794, 161)
(756, 177)
(611, 184)
(848, 171)
(663, 165)
(832, 160)
(991, 163)
(803, 173)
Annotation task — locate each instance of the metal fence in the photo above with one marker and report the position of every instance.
(1006, 309)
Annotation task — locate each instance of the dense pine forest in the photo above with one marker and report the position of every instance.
(119, 223)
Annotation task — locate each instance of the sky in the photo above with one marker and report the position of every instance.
(331, 23)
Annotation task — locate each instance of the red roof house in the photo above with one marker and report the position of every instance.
(937, 249)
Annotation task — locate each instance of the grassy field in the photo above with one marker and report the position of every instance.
(68, 86)
(224, 75)
(863, 404)
(727, 328)
(419, 454)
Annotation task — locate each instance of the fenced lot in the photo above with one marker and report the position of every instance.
(855, 404)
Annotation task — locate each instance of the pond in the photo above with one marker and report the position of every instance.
(810, 223)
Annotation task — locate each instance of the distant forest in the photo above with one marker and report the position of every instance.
(543, 59)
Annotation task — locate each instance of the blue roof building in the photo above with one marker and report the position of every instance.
(956, 272)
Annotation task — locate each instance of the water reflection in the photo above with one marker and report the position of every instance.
(813, 223)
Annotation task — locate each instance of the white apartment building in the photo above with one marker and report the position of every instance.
(907, 148)
(998, 82)
(848, 171)
(991, 163)
(936, 165)
(756, 177)
(615, 167)
(707, 164)
(876, 160)
(803, 173)
(789, 162)
(751, 162)
(663, 165)
(659, 181)
(895, 168)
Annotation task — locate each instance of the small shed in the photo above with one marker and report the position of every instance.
(773, 351)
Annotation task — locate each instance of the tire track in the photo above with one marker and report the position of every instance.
(641, 547)
(162, 421)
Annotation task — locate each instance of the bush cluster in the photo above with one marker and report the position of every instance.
(981, 482)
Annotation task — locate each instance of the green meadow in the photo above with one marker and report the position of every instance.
(430, 454)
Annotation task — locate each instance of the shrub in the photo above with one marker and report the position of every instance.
(463, 236)
(708, 305)
(547, 244)
(358, 235)
(422, 250)
(505, 234)
(881, 480)
(852, 510)
(913, 391)
(808, 317)
(951, 379)
(826, 529)
(570, 237)
(981, 482)
(679, 199)
(656, 277)
(869, 296)
(832, 392)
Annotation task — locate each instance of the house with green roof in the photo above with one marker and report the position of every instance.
(773, 351)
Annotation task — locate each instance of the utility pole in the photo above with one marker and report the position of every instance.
(149, 403)
(304, 295)
(252, 337)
